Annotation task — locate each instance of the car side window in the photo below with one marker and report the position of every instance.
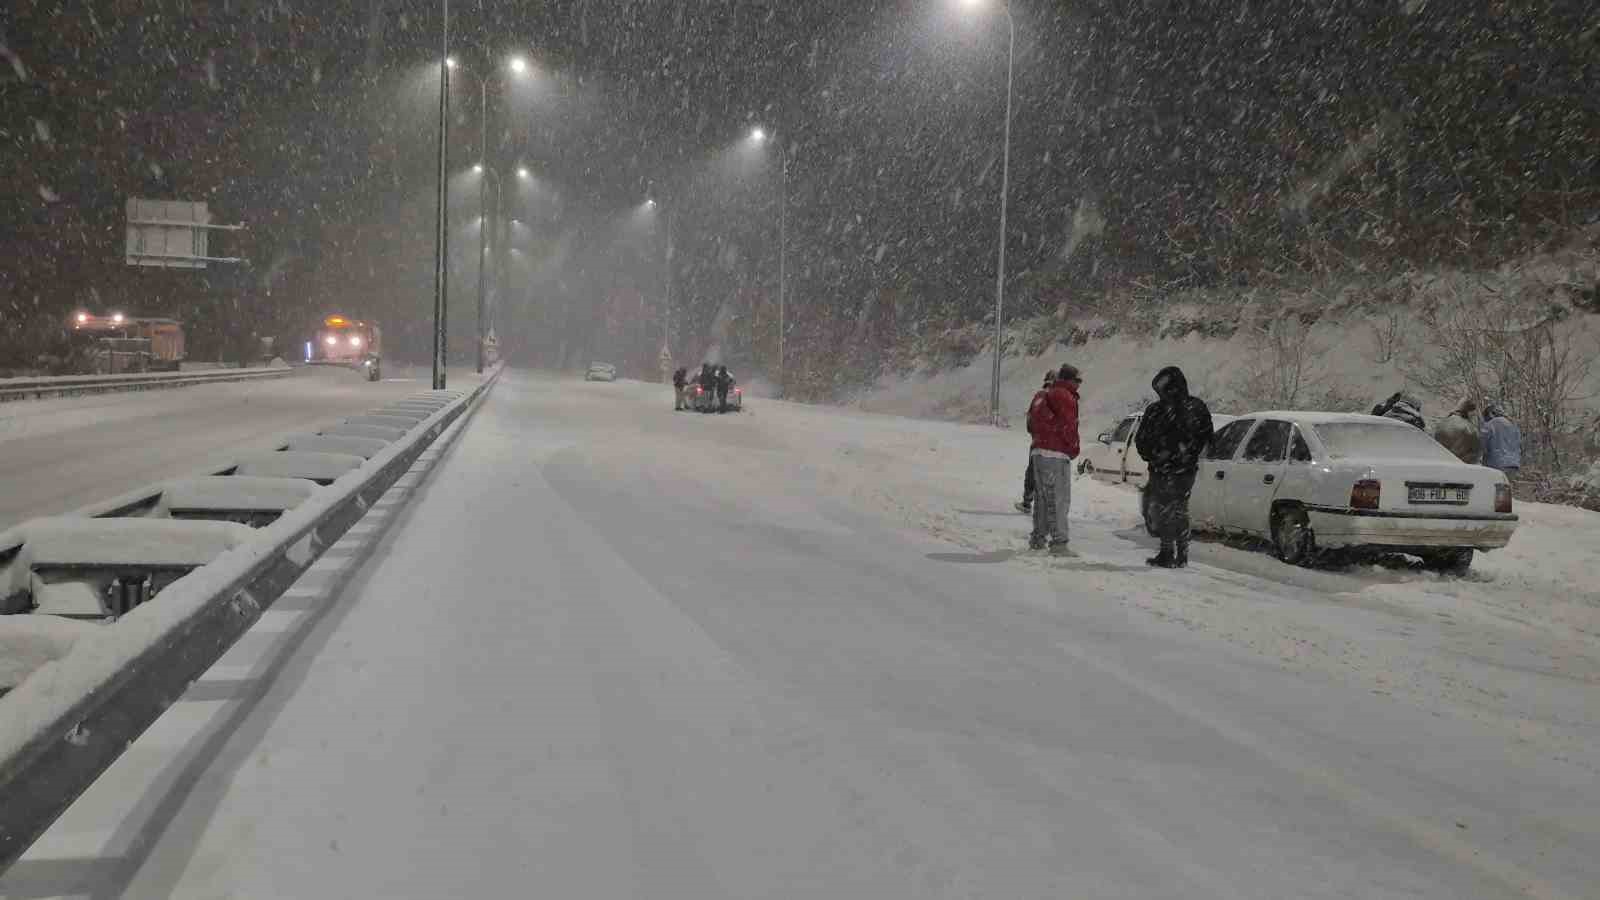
(1124, 429)
(1227, 440)
(1269, 442)
(1299, 450)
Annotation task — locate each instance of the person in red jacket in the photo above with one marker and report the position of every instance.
(1026, 506)
(1053, 423)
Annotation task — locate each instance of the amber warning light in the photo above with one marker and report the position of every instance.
(335, 321)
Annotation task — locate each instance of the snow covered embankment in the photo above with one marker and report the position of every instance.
(1485, 646)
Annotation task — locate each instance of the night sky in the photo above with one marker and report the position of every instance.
(1184, 144)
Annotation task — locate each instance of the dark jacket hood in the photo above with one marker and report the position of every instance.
(1170, 384)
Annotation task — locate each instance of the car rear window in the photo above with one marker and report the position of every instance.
(1380, 440)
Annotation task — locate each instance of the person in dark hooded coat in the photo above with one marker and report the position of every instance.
(1173, 433)
(680, 381)
(724, 385)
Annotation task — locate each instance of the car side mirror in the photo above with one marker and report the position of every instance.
(1104, 438)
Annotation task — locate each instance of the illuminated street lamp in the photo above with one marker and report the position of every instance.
(522, 172)
(759, 135)
(518, 66)
(1005, 183)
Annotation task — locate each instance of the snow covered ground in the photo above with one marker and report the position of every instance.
(612, 651)
(61, 454)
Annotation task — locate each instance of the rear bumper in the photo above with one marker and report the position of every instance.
(1335, 527)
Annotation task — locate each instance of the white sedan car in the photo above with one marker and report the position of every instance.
(599, 371)
(1113, 458)
(1312, 481)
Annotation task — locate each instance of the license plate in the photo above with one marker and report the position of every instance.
(1438, 494)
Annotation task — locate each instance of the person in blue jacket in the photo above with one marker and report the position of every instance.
(1502, 441)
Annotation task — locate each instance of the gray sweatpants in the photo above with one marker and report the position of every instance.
(1052, 499)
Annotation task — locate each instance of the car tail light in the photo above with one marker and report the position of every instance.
(1365, 494)
(1502, 498)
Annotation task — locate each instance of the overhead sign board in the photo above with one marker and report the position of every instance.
(171, 234)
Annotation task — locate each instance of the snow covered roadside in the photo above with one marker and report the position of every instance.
(1484, 646)
(27, 643)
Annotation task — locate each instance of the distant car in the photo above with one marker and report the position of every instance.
(1113, 458)
(703, 399)
(599, 371)
(1315, 481)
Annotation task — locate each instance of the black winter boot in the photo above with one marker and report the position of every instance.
(1166, 559)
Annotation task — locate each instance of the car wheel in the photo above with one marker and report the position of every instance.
(1086, 468)
(1455, 561)
(1292, 537)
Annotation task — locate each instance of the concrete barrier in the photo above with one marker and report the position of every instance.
(66, 724)
(78, 385)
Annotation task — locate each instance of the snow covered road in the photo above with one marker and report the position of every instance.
(58, 455)
(612, 651)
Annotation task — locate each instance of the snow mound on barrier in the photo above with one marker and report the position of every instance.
(30, 642)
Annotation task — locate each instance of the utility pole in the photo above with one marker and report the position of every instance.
(441, 244)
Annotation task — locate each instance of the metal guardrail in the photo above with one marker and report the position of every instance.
(76, 385)
(57, 738)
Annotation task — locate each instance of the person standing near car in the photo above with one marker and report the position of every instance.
(1403, 407)
(1502, 441)
(1053, 422)
(1026, 505)
(1459, 435)
(1173, 433)
(724, 385)
(680, 381)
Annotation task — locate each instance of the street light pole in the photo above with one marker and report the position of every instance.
(483, 244)
(759, 135)
(483, 212)
(666, 265)
(1005, 184)
(441, 246)
(783, 256)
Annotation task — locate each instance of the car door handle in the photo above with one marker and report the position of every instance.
(1268, 479)
(1221, 475)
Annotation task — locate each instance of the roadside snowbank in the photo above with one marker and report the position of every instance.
(27, 643)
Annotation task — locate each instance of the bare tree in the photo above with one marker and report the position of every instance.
(1389, 332)
(1505, 344)
(1283, 363)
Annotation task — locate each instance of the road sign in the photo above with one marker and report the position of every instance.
(171, 234)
